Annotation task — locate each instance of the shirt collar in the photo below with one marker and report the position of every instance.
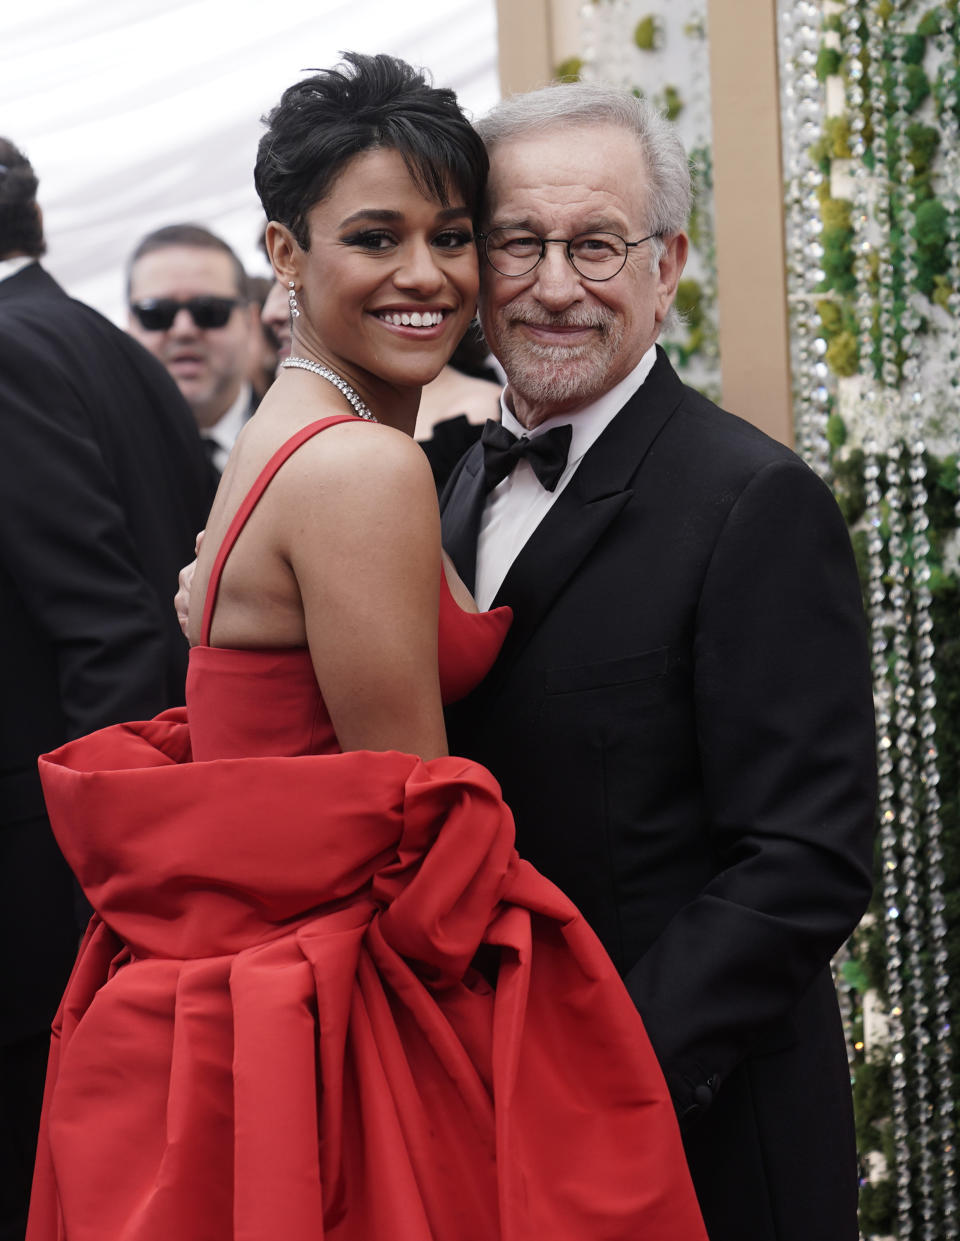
(591, 420)
(10, 267)
(227, 427)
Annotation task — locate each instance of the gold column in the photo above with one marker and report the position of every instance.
(749, 210)
(525, 44)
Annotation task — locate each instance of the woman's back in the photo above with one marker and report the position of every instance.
(265, 700)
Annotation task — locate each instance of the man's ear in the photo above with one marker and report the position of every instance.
(283, 250)
(672, 263)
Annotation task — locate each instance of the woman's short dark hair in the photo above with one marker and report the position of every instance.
(364, 103)
(21, 229)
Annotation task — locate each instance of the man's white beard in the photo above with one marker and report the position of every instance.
(558, 374)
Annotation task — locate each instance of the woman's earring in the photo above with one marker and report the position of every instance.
(292, 298)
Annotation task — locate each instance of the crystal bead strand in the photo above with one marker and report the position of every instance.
(939, 1135)
(900, 896)
(948, 47)
(887, 409)
(786, 19)
(851, 1003)
(702, 144)
(947, 44)
(803, 102)
(866, 414)
(915, 550)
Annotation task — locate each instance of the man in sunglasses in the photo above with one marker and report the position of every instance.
(189, 305)
(102, 487)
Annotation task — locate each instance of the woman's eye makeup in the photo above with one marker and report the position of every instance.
(370, 239)
(453, 239)
(379, 239)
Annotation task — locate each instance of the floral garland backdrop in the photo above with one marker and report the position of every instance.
(870, 121)
(663, 55)
(871, 141)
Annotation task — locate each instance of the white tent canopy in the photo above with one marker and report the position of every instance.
(145, 113)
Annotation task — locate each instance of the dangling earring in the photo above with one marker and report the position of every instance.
(294, 308)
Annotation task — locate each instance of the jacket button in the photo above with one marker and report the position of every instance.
(702, 1096)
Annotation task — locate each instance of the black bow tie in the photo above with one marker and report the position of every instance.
(547, 453)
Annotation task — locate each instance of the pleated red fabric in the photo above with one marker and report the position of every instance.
(322, 999)
(341, 1007)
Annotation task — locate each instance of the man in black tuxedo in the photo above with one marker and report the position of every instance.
(681, 717)
(103, 485)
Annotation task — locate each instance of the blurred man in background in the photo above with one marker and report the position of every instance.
(103, 485)
(189, 304)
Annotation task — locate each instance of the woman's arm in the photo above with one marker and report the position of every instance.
(361, 533)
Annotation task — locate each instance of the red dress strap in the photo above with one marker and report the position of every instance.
(250, 501)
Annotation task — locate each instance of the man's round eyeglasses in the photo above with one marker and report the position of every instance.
(595, 256)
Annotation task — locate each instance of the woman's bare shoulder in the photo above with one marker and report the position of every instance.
(352, 483)
(360, 457)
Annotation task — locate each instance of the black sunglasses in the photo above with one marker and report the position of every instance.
(156, 314)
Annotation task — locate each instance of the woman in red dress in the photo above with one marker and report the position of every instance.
(321, 996)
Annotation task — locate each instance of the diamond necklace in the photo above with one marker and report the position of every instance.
(359, 406)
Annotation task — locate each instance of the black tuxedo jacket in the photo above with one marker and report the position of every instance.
(103, 486)
(681, 719)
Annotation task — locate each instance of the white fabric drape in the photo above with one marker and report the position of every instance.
(137, 115)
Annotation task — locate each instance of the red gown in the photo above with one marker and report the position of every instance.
(322, 999)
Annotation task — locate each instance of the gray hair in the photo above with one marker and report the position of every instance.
(666, 167)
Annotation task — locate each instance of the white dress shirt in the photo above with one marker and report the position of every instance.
(225, 430)
(515, 507)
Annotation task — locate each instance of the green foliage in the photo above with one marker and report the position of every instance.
(930, 233)
(569, 70)
(942, 289)
(929, 24)
(877, 1209)
(852, 972)
(843, 354)
(646, 33)
(918, 85)
(673, 103)
(918, 142)
(688, 299)
(872, 1087)
(835, 213)
(837, 130)
(838, 258)
(831, 317)
(828, 63)
(914, 48)
(691, 301)
(836, 437)
(931, 226)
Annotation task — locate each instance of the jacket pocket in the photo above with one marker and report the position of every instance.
(640, 667)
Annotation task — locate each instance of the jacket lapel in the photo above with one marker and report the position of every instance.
(596, 494)
(462, 508)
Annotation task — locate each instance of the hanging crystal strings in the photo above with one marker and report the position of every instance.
(947, 45)
(900, 601)
(803, 106)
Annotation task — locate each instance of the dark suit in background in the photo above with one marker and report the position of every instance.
(103, 486)
(681, 720)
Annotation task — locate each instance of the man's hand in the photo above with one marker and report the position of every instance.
(181, 600)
